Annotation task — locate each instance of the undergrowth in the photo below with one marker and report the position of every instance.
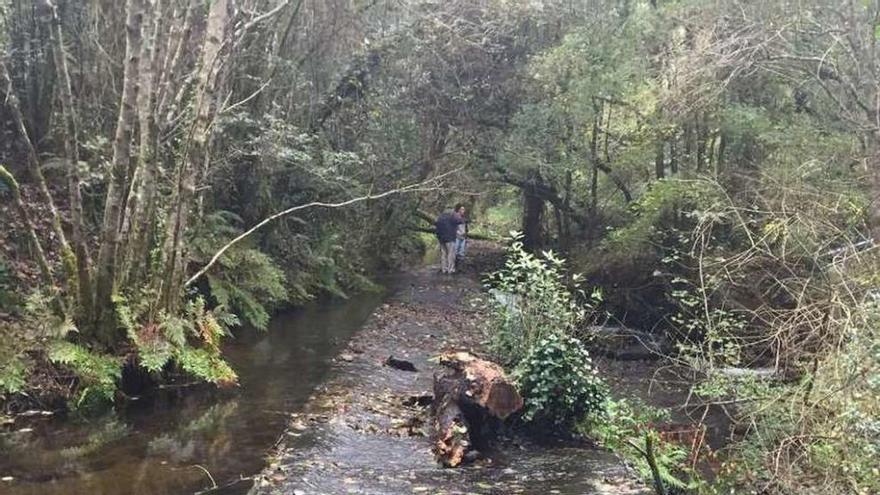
(537, 312)
(536, 316)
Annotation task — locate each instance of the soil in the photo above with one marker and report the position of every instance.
(366, 430)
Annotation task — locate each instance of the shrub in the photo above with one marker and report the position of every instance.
(624, 426)
(14, 371)
(532, 300)
(37, 328)
(247, 281)
(536, 317)
(558, 382)
(782, 279)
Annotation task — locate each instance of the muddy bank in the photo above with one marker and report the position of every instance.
(366, 430)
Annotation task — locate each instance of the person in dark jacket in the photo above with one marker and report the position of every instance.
(446, 228)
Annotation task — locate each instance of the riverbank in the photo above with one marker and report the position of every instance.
(184, 440)
(366, 430)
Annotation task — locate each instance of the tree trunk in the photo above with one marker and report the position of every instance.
(659, 159)
(119, 173)
(34, 167)
(195, 153)
(560, 231)
(673, 157)
(594, 172)
(873, 154)
(138, 220)
(711, 149)
(438, 136)
(533, 213)
(566, 220)
(71, 150)
(171, 64)
(40, 254)
(688, 144)
(701, 148)
(468, 394)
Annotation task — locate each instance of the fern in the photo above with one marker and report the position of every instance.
(206, 326)
(13, 374)
(205, 365)
(97, 372)
(241, 300)
(155, 354)
(174, 329)
(38, 327)
(191, 339)
(247, 281)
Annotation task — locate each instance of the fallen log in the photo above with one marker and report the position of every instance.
(469, 394)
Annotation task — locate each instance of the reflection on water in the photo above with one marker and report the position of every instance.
(168, 445)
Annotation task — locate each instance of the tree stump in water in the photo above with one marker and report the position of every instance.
(467, 394)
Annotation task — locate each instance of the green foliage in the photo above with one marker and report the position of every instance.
(246, 281)
(323, 251)
(624, 426)
(191, 339)
(558, 381)
(661, 209)
(759, 268)
(707, 332)
(823, 429)
(621, 420)
(37, 328)
(9, 301)
(533, 300)
(14, 371)
(536, 317)
(502, 217)
(206, 365)
(98, 373)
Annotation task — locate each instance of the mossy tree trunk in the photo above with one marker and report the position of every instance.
(120, 170)
(45, 269)
(195, 155)
(35, 170)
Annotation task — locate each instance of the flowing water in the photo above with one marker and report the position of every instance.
(195, 439)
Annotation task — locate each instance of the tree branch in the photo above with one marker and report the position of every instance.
(421, 186)
(262, 17)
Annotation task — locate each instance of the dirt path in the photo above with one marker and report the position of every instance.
(365, 432)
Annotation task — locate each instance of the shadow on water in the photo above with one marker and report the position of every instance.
(169, 445)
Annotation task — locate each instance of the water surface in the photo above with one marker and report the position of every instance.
(170, 445)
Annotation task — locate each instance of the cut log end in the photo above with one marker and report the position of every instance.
(469, 393)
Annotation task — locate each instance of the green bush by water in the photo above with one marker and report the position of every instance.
(536, 315)
(559, 382)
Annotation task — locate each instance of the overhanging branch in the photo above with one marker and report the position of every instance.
(428, 185)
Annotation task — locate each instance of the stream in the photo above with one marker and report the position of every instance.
(192, 440)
